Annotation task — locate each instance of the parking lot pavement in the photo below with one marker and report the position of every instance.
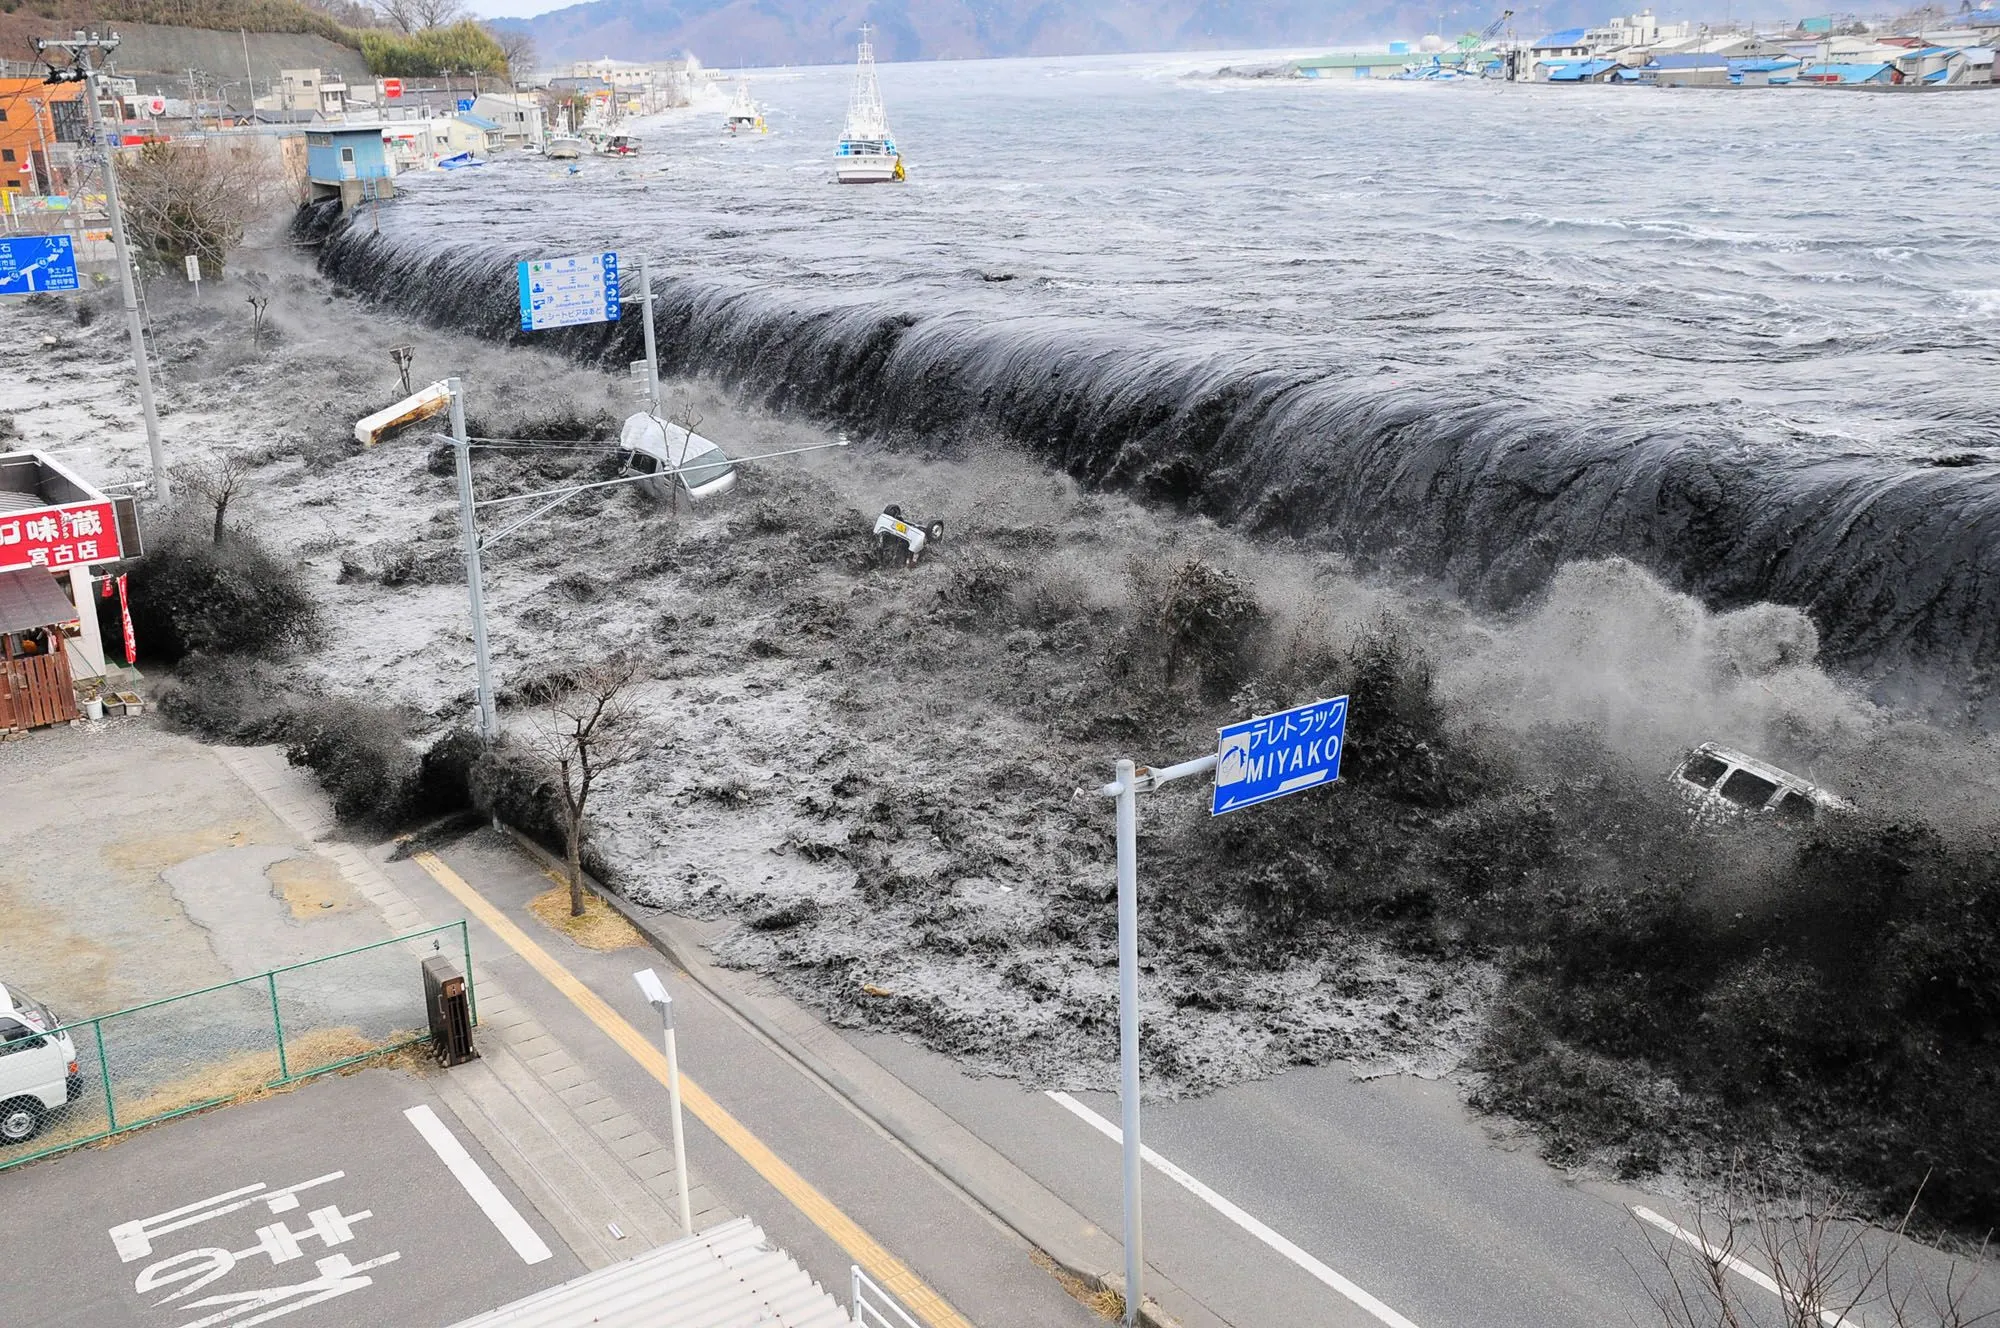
(358, 1199)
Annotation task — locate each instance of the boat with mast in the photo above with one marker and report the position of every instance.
(867, 153)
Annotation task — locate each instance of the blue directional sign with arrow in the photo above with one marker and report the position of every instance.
(1273, 755)
(32, 263)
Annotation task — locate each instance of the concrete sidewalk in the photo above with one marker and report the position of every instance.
(603, 1180)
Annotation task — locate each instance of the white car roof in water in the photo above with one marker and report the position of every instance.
(670, 442)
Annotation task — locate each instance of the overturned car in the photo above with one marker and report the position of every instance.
(1713, 777)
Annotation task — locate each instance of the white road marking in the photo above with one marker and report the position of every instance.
(1242, 1219)
(1748, 1272)
(503, 1215)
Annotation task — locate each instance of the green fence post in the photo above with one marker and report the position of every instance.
(471, 997)
(104, 1074)
(278, 1023)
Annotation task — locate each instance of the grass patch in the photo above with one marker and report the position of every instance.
(1105, 1304)
(601, 927)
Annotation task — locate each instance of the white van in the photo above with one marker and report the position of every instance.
(1714, 776)
(654, 447)
(38, 1072)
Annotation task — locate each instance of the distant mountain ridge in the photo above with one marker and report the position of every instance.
(776, 32)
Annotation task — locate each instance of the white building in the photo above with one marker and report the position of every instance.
(521, 118)
(1640, 29)
(308, 90)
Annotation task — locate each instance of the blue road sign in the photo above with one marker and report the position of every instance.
(465, 103)
(30, 263)
(1273, 755)
(563, 292)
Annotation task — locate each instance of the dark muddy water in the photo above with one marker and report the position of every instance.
(1749, 340)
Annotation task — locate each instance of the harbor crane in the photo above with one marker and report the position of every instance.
(1471, 42)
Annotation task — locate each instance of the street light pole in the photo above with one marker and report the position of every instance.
(80, 49)
(656, 995)
(1131, 782)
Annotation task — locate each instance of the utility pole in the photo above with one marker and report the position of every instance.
(81, 49)
(468, 525)
(652, 354)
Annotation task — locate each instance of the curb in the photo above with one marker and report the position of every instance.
(1062, 1247)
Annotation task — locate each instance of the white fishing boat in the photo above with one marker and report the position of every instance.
(744, 117)
(867, 153)
(565, 148)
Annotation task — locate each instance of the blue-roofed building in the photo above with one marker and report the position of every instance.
(1844, 74)
(1765, 71)
(348, 162)
(1565, 45)
(1583, 71)
(1683, 69)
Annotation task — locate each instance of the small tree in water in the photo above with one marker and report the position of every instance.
(589, 732)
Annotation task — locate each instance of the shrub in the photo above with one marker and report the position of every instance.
(1209, 625)
(361, 755)
(230, 699)
(513, 784)
(191, 594)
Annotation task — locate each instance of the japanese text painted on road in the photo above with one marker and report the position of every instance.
(1273, 755)
(72, 535)
(166, 1283)
(31, 263)
(564, 292)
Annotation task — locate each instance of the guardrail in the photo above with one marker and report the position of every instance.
(186, 1053)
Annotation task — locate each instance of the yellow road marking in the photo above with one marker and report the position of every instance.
(863, 1248)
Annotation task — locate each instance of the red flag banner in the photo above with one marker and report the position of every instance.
(125, 616)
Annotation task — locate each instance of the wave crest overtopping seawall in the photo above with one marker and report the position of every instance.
(1892, 558)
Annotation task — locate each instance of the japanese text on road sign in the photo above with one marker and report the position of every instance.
(192, 1270)
(1273, 755)
(563, 292)
(30, 263)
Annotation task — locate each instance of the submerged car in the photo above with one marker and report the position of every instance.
(656, 448)
(1713, 776)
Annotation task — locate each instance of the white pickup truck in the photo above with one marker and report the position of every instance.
(38, 1073)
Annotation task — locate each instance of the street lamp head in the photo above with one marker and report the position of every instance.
(655, 992)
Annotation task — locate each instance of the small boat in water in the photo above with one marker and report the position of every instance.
(564, 148)
(620, 145)
(867, 153)
(744, 117)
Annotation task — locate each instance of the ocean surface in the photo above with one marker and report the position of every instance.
(1749, 339)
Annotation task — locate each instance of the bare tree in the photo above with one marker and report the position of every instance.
(216, 481)
(421, 15)
(517, 46)
(588, 733)
(197, 197)
(1824, 1267)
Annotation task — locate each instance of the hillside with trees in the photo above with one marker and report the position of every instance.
(408, 38)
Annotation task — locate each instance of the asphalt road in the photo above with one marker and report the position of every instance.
(983, 1269)
(325, 1207)
(1387, 1183)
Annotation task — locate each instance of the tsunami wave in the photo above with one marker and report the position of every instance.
(1894, 559)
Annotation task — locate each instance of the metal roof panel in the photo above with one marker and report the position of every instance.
(729, 1276)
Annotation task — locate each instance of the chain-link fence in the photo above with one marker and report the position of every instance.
(82, 1082)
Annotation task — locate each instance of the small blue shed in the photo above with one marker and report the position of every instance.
(348, 162)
